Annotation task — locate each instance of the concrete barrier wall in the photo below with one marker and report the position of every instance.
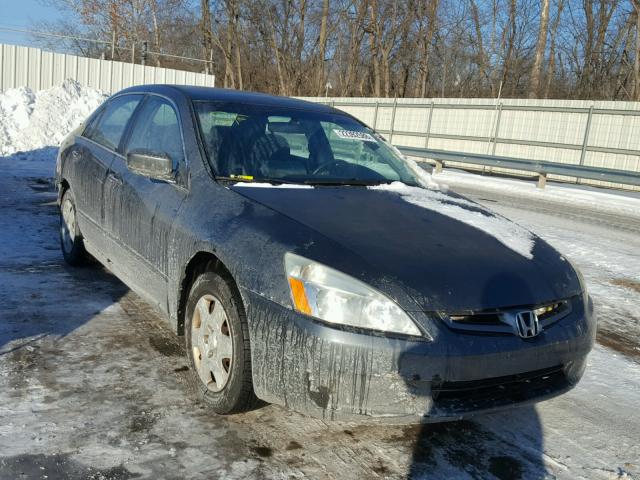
(38, 70)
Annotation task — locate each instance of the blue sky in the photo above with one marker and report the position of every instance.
(22, 14)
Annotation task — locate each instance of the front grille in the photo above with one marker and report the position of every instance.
(459, 397)
(477, 319)
(554, 310)
(500, 321)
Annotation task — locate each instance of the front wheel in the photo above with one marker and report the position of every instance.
(217, 344)
(71, 242)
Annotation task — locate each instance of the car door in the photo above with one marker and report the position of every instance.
(93, 155)
(142, 209)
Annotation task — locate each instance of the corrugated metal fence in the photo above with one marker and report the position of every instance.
(600, 134)
(38, 69)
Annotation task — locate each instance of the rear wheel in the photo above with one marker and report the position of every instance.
(71, 241)
(217, 344)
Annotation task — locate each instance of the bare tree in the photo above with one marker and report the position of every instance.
(509, 46)
(390, 48)
(426, 12)
(356, 13)
(536, 70)
(550, 73)
(322, 47)
(205, 25)
(636, 63)
(233, 9)
(480, 57)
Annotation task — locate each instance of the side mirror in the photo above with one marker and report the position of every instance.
(156, 165)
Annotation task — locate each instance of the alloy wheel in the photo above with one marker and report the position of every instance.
(211, 343)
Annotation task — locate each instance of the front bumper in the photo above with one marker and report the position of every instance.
(342, 375)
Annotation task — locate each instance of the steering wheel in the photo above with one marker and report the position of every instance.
(327, 165)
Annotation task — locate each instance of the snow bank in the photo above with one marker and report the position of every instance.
(508, 233)
(33, 120)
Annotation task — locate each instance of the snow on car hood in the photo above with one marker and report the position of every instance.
(505, 231)
(444, 257)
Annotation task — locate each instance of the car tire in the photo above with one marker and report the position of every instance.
(217, 344)
(71, 241)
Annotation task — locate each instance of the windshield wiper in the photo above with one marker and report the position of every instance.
(245, 179)
(346, 182)
(328, 182)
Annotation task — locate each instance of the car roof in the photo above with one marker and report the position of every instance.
(234, 96)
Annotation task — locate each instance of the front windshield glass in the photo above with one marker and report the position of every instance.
(255, 142)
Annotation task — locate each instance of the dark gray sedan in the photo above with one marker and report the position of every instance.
(308, 264)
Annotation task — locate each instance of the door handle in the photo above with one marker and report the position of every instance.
(115, 178)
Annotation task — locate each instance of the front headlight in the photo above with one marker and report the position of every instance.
(334, 297)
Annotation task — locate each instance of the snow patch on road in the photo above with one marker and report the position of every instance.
(592, 198)
(508, 233)
(31, 120)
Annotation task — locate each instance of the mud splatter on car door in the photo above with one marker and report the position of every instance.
(144, 207)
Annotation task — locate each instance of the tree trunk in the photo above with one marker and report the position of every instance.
(536, 71)
(281, 82)
(596, 31)
(508, 58)
(426, 38)
(374, 44)
(355, 41)
(278, 58)
(229, 77)
(585, 78)
(480, 54)
(207, 44)
(300, 39)
(636, 63)
(386, 69)
(235, 15)
(322, 46)
(386, 42)
(551, 69)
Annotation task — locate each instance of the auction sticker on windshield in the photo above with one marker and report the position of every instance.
(354, 135)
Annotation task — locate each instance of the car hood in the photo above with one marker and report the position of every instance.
(448, 253)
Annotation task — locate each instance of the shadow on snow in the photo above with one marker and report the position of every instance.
(508, 445)
(40, 295)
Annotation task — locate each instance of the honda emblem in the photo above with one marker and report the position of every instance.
(527, 324)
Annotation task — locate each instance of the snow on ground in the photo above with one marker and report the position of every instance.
(94, 385)
(587, 197)
(32, 120)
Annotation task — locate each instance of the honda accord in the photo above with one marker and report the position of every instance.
(309, 264)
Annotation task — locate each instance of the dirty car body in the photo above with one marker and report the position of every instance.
(491, 320)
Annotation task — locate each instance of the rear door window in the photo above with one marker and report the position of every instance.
(91, 124)
(157, 130)
(110, 126)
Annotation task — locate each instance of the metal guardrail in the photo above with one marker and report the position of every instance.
(541, 167)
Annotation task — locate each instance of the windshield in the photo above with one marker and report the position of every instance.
(255, 142)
